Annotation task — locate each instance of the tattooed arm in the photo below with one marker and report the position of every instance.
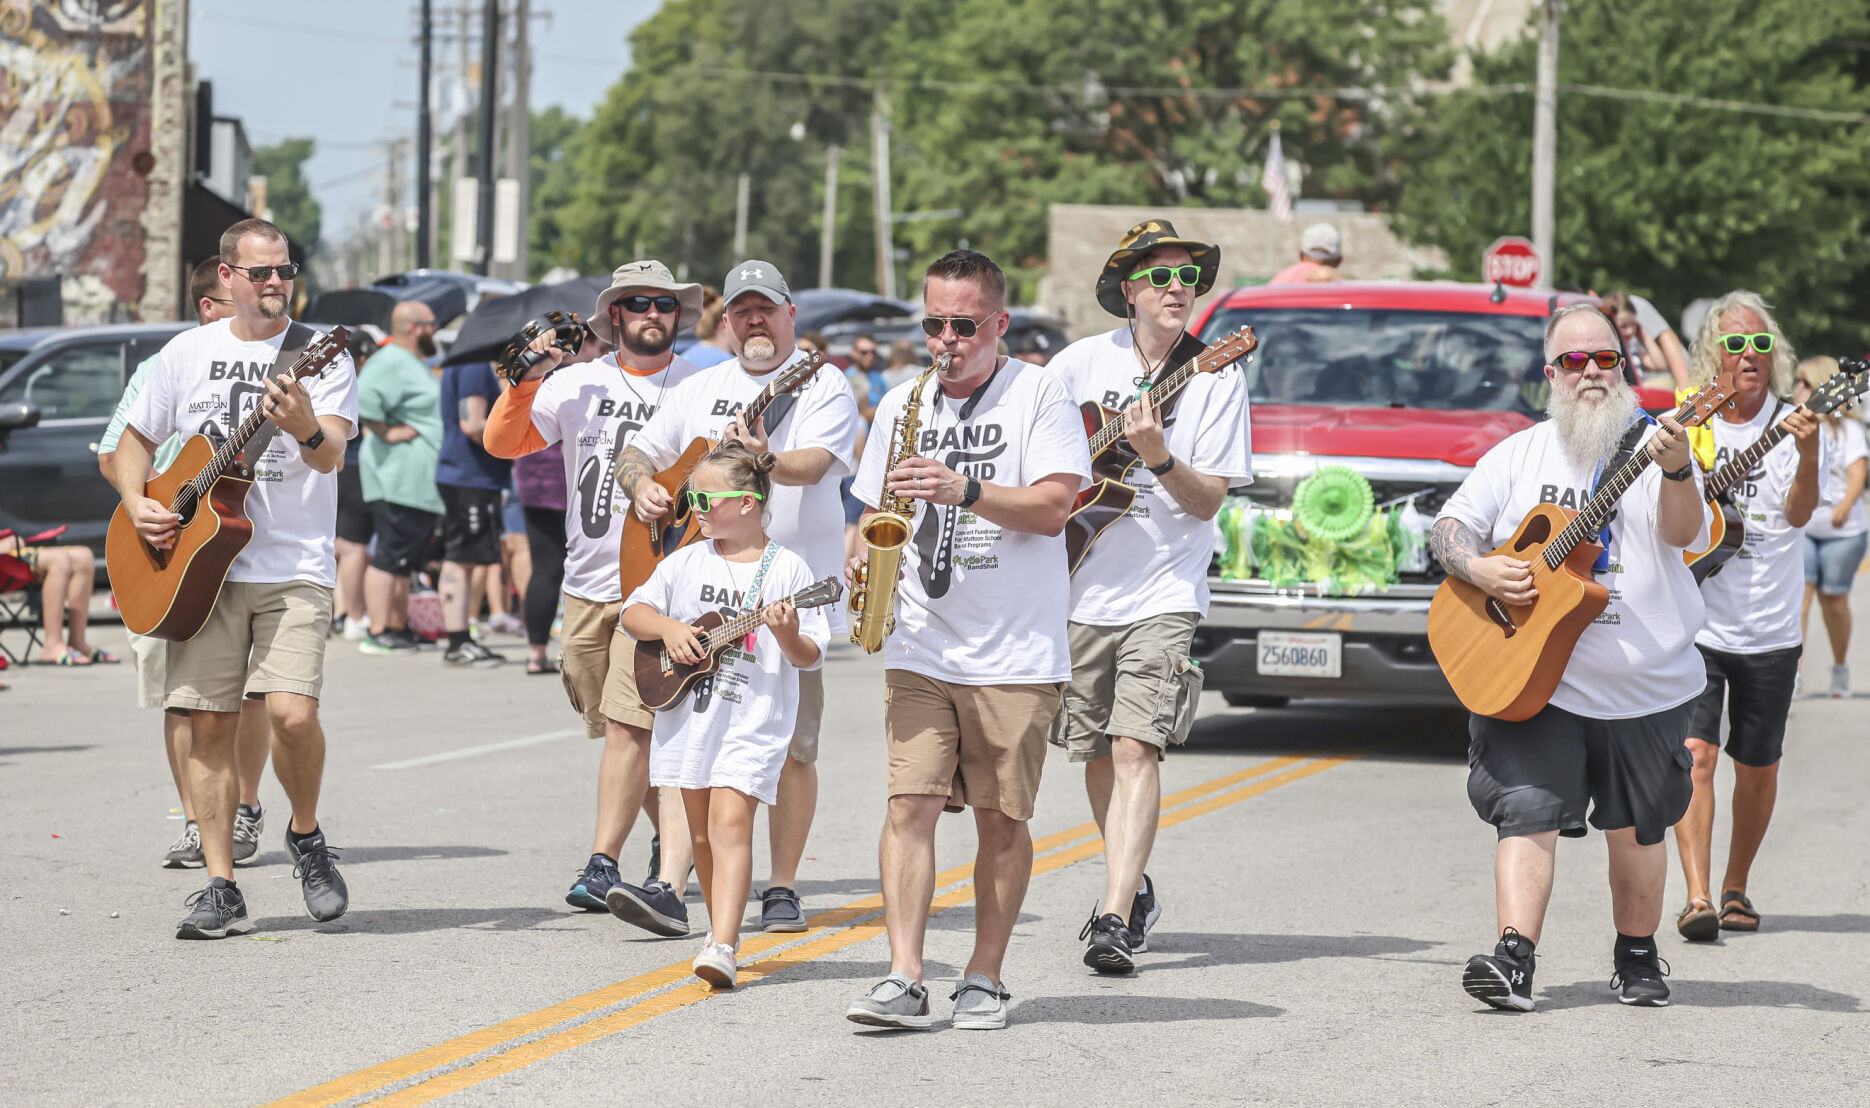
(636, 476)
(1457, 548)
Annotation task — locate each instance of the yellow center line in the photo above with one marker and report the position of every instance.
(1078, 843)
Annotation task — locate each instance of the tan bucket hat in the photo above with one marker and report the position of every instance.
(648, 276)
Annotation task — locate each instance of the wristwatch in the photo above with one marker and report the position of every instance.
(1164, 467)
(317, 440)
(970, 494)
(1680, 474)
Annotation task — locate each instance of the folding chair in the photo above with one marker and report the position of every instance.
(19, 599)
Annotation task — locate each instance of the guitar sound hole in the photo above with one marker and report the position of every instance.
(1538, 530)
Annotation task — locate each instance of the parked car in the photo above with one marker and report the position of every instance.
(1407, 383)
(58, 388)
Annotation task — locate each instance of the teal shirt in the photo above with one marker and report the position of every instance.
(114, 433)
(395, 387)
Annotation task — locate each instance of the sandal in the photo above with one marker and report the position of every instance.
(1740, 909)
(541, 667)
(1699, 922)
(100, 656)
(67, 657)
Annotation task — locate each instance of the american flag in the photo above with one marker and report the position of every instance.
(1278, 197)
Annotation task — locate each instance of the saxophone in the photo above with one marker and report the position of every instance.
(886, 531)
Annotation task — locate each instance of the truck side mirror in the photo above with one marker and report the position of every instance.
(17, 414)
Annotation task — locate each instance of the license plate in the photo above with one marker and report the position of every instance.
(1301, 654)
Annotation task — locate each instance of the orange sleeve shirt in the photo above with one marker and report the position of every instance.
(510, 432)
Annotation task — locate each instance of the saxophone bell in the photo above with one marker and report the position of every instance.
(887, 530)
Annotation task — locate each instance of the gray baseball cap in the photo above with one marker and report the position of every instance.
(754, 275)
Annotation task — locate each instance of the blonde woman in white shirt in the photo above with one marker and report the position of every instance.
(1836, 534)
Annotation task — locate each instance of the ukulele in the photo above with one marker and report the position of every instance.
(1727, 532)
(1108, 498)
(663, 682)
(168, 594)
(644, 545)
(569, 334)
(1504, 660)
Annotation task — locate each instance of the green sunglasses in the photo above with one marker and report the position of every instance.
(704, 501)
(1159, 275)
(1762, 343)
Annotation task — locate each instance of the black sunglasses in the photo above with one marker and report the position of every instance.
(963, 326)
(260, 274)
(640, 304)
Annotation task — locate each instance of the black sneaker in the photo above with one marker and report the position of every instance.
(410, 639)
(780, 911)
(1108, 950)
(588, 891)
(315, 864)
(473, 655)
(1145, 910)
(219, 911)
(1639, 979)
(653, 907)
(1504, 978)
(389, 642)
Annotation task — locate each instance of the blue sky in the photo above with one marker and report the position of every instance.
(335, 70)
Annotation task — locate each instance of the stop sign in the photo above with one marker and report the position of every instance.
(1510, 260)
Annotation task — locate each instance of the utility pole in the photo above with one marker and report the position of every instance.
(424, 140)
(489, 107)
(459, 154)
(386, 221)
(519, 131)
(886, 249)
(828, 236)
(1545, 139)
(741, 190)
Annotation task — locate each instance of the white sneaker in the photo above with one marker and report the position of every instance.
(717, 965)
(506, 624)
(1840, 682)
(356, 630)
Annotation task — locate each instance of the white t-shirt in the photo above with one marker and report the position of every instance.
(1638, 656)
(1842, 446)
(734, 728)
(596, 409)
(1155, 560)
(1753, 600)
(979, 605)
(205, 382)
(806, 518)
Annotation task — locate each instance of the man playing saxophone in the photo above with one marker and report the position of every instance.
(884, 531)
(975, 666)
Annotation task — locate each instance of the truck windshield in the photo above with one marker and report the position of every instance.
(1384, 358)
(8, 357)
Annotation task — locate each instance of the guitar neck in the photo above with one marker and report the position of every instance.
(1590, 522)
(1159, 393)
(230, 450)
(757, 406)
(1742, 463)
(742, 625)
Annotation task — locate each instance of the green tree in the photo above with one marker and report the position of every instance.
(1672, 200)
(289, 196)
(555, 134)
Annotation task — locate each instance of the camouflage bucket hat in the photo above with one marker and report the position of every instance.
(1137, 242)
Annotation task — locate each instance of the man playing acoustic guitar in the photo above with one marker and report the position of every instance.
(1143, 585)
(1610, 739)
(275, 609)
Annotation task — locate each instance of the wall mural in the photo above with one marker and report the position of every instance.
(75, 90)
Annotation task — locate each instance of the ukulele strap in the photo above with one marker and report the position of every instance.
(298, 337)
(752, 600)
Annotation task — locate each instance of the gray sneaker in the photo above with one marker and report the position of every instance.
(315, 864)
(896, 1002)
(979, 1004)
(1840, 682)
(185, 851)
(219, 911)
(248, 823)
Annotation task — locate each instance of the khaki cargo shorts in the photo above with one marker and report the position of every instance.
(596, 661)
(981, 746)
(261, 638)
(151, 655)
(1133, 681)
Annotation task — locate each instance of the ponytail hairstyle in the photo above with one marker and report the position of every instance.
(743, 469)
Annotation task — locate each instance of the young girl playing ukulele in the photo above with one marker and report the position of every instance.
(724, 743)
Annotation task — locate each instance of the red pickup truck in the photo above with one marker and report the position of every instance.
(1408, 383)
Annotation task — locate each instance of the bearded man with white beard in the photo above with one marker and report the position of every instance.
(1607, 750)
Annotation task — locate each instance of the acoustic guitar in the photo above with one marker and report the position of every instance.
(1728, 531)
(662, 682)
(168, 594)
(644, 545)
(1109, 496)
(1504, 660)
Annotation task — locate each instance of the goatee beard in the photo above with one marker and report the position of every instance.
(648, 348)
(425, 346)
(1590, 429)
(759, 348)
(272, 308)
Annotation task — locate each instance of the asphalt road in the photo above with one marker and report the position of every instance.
(1323, 876)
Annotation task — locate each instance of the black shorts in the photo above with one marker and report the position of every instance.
(402, 537)
(471, 525)
(354, 520)
(1542, 773)
(1757, 691)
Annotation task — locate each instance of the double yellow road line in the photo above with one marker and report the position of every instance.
(536, 1036)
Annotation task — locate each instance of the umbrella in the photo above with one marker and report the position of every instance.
(492, 325)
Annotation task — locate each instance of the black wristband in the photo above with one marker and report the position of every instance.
(317, 440)
(1164, 467)
(1680, 474)
(970, 494)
